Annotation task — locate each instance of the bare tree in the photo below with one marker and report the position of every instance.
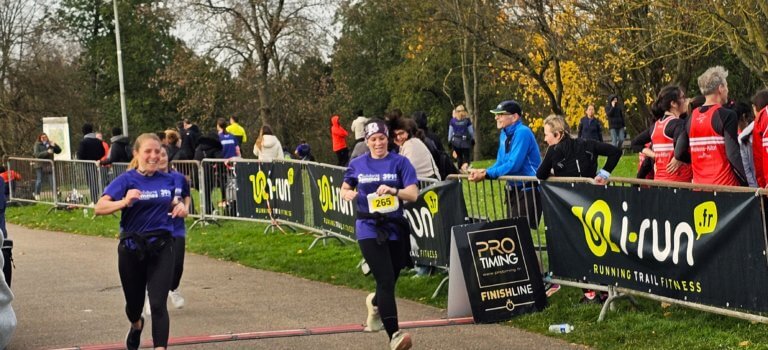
(260, 36)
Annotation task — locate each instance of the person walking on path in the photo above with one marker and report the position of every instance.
(149, 200)
(44, 149)
(590, 127)
(378, 182)
(339, 141)
(614, 110)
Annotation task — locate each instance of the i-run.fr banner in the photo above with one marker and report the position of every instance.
(698, 246)
(264, 186)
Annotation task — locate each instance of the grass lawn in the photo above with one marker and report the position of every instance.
(647, 326)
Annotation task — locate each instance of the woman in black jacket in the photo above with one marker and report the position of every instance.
(571, 157)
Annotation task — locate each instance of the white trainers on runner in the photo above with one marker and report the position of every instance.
(176, 299)
(147, 308)
(373, 322)
(400, 341)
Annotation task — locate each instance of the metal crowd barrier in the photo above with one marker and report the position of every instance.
(31, 180)
(80, 183)
(191, 170)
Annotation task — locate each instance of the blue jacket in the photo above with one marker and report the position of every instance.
(590, 129)
(520, 158)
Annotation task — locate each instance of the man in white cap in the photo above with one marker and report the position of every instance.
(518, 155)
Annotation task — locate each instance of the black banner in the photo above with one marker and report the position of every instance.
(500, 269)
(698, 246)
(331, 212)
(275, 185)
(431, 217)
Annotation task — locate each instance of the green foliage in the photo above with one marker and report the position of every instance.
(369, 47)
(147, 47)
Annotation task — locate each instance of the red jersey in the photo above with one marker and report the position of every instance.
(709, 160)
(664, 147)
(760, 147)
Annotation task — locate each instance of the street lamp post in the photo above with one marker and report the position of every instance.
(120, 71)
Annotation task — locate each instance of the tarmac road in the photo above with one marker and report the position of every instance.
(67, 294)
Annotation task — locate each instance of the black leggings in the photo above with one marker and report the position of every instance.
(462, 156)
(381, 260)
(179, 245)
(152, 274)
(342, 156)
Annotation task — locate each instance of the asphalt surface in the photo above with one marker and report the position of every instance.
(67, 294)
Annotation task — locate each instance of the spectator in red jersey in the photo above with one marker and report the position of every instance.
(339, 141)
(713, 135)
(760, 137)
(669, 142)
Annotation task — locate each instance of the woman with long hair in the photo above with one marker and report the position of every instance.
(668, 137)
(149, 199)
(267, 146)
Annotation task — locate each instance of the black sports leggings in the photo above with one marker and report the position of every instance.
(153, 274)
(380, 259)
(179, 245)
(462, 156)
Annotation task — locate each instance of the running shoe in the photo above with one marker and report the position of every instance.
(176, 299)
(373, 322)
(133, 339)
(400, 341)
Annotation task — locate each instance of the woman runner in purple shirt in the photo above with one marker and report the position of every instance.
(148, 202)
(378, 182)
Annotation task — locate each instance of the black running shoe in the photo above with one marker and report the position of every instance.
(133, 340)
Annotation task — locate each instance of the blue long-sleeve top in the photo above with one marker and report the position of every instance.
(520, 158)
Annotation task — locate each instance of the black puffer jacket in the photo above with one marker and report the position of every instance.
(120, 151)
(208, 146)
(615, 114)
(189, 139)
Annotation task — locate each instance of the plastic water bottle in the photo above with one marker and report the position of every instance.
(561, 328)
(85, 212)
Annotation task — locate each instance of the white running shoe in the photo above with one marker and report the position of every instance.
(147, 308)
(373, 323)
(176, 299)
(400, 341)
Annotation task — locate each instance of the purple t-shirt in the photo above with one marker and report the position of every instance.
(150, 212)
(179, 230)
(228, 145)
(366, 174)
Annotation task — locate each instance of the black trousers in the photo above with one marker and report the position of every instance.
(462, 156)
(343, 156)
(385, 263)
(179, 245)
(151, 273)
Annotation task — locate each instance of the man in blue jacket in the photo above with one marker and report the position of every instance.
(518, 155)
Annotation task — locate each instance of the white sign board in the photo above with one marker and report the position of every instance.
(57, 130)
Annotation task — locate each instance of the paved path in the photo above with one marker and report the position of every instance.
(68, 294)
